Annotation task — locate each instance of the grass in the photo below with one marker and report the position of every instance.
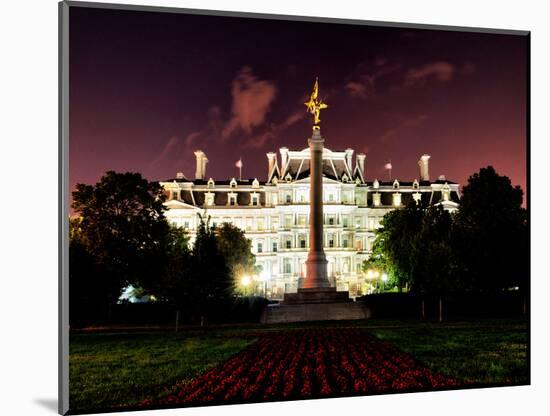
(121, 368)
(109, 370)
(486, 352)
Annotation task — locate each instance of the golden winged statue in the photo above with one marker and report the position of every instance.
(315, 105)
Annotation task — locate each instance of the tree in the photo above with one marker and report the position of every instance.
(394, 241)
(88, 289)
(211, 284)
(122, 224)
(236, 249)
(492, 233)
(415, 246)
(172, 279)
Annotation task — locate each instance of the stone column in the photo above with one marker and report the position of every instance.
(316, 263)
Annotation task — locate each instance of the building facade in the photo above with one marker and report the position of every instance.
(275, 213)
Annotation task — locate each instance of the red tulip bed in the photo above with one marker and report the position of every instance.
(311, 363)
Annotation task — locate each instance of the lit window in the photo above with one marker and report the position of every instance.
(175, 195)
(345, 221)
(287, 266)
(396, 199)
(209, 198)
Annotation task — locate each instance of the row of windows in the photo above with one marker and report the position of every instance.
(329, 243)
(301, 198)
(290, 221)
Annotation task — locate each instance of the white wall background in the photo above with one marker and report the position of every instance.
(28, 208)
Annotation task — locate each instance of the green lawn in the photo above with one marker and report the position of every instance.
(120, 369)
(486, 351)
(111, 370)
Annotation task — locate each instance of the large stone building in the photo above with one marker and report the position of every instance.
(274, 213)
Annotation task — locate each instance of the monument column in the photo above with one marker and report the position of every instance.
(316, 263)
(315, 300)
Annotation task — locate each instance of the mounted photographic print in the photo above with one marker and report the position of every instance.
(262, 208)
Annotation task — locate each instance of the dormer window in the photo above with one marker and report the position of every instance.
(255, 183)
(415, 184)
(396, 199)
(395, 184)
(232, 198)
(209, 198)
(274, 181)
(210, 183)
(345, 178)
(288, 177)
(446, 192)
(376, 184)
(233, 183)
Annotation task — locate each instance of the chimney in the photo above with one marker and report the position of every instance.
(180, 175)
(271, 161)
(200, 173)
(284, 157)
(349, 154)
(361, 163)
(424, 167)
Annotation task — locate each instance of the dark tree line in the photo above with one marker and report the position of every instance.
(483, 247)
(121, 237)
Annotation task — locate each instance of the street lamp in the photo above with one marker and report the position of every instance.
(245, 281)
(384, 280)
(264, 277)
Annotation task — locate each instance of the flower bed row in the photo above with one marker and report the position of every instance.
(306, 364)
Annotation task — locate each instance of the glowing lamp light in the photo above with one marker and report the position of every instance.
(245, 281)
(384, 277)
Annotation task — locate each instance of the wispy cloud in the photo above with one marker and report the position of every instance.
(177, 152)
(252, 99)
(366, 83)
(356, 89)
(439, 71)
(402, 127)
(271, 131)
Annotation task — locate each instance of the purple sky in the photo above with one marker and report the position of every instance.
(149, 88)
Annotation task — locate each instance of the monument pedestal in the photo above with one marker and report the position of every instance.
(315, 304)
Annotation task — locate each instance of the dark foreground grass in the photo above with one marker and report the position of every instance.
(110, 370)
(119, 369)
(484, 351)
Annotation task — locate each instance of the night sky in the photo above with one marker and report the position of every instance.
(149, 88)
